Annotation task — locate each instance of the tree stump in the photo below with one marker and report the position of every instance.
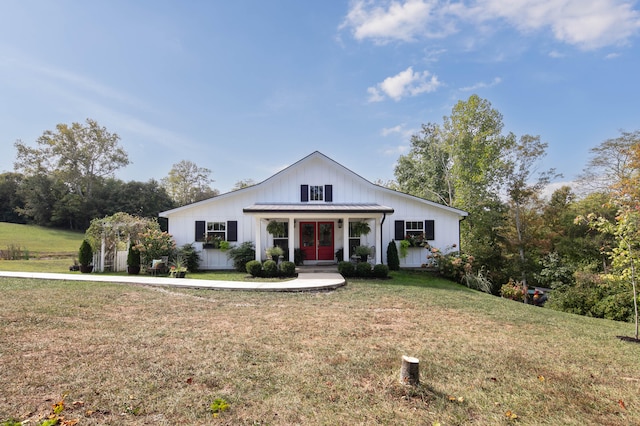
(410, 371)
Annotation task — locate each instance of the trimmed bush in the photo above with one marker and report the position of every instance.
(392, 256)
(363, 269)
(288, 269)
(270, 268)
(254, 267)
(346, 269)
(381, 271)
(85, 253)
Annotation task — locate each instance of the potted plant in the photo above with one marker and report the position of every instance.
(133, 261)
(361, 228)
(85, 257)
(275, 253)
(363, 252)
(178, 269)
(276, 228)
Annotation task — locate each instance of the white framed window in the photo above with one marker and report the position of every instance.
(414, 227)
(316, 193)
(216, 231)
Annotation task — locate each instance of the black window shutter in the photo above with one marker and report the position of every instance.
(304, 193)
(328, 193)
(232, 230)
(399, 230)
(200, 224)
(430, 229)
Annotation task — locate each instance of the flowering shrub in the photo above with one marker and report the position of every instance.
(513, 290)
(453, 265)
(154, 244)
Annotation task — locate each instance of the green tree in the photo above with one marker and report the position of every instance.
(463, 163)
(77, 155)
(188, 183)
(522, 188)
(10, 199)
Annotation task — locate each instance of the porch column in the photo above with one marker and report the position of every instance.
(378, 239)
(292, 239)
(345, 238)
(258, 242)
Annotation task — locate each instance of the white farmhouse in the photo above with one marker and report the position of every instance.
(319, 205)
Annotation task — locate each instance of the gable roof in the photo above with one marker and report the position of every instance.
(301, 162)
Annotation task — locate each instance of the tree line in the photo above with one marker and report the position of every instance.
(581, 241)
(68, 178)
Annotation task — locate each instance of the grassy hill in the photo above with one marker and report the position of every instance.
(40, 241)
(138, 355)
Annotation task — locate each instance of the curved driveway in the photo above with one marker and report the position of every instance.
(306, 281)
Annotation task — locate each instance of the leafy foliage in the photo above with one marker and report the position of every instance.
(85, 253)
(392, 256)
(242, 254)
(254, 268)
(190, 257)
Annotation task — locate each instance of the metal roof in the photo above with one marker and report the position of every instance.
(317, 208)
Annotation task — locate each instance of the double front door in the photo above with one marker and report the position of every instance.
(316, 240)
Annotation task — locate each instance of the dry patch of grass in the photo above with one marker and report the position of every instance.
(137, 355)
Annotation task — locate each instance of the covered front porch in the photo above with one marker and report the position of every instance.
(319, 231)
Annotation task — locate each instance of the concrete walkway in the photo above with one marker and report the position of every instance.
(306, 281)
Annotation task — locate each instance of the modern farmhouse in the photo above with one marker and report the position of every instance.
(318, 209)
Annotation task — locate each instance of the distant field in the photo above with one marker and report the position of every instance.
(40, 242)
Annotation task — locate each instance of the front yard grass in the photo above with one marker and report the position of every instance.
(141, 355)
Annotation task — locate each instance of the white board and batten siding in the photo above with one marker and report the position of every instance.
(344, 187)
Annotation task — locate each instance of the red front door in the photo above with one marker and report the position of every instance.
(316, 240)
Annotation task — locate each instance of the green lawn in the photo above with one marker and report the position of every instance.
(39, 241)
(138, 355)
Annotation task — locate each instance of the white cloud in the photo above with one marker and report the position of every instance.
(587, 24)
(394, 20)
(405, 83)
(400, 129)
(482, 85)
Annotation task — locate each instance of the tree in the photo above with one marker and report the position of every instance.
(610, 162)
(77, 155)
(188, 183)
(523, 187)
(463, 163)
(10, 199)
(244, 183)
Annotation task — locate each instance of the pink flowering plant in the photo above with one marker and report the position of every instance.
(153, 244)
(452, 265)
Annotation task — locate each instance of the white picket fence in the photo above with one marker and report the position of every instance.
(117, 262)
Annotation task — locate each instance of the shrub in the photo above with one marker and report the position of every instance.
(85, 253)
(270, 268)
(133, 256)
(381, 271)
(288, 269)
(190, 257)
(154, 244)
(363, 269)
(298, 256)
(346, 269)
(392, 256)
(242, 254)
(254, 267)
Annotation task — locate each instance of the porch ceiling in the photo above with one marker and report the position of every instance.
(316, 208)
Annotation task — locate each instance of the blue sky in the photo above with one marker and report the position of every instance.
(245, 88)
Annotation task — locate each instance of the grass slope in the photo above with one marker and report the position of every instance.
(139, 355)
(40, 241)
